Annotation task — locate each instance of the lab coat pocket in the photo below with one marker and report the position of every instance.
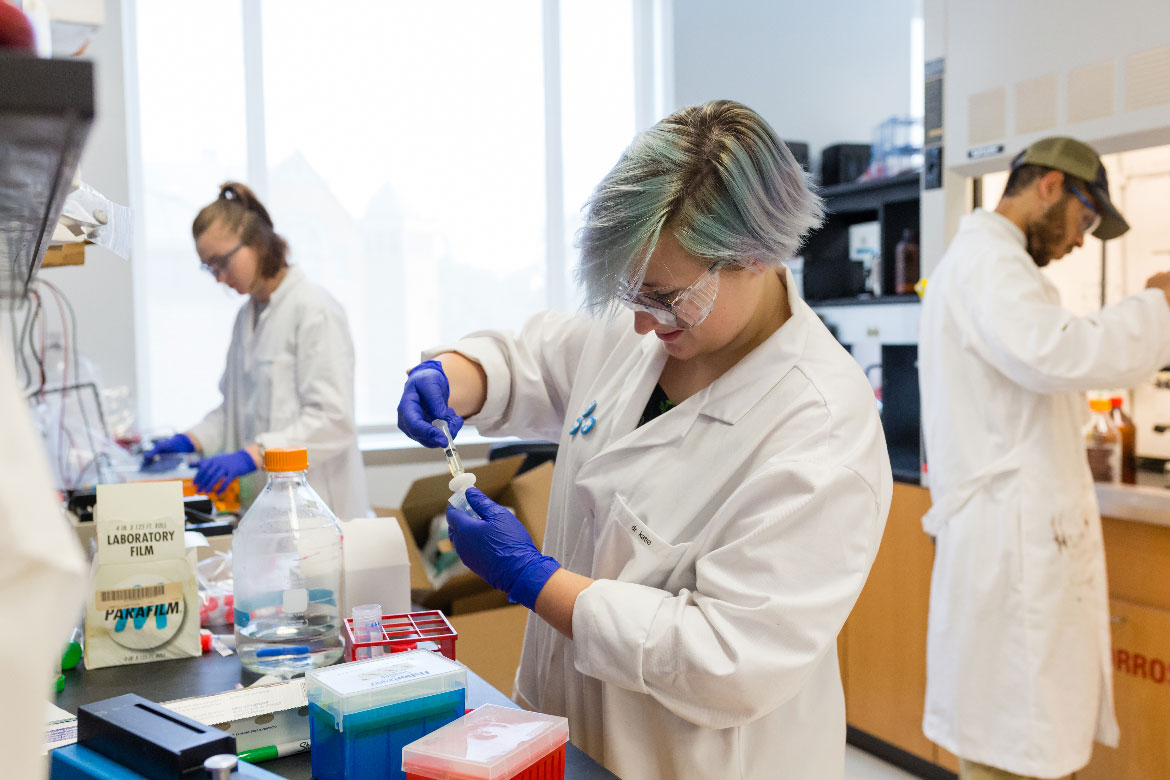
(1069, 531)
(630, 551)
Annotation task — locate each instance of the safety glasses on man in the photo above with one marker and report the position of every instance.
(674, 307)
(1091, 219)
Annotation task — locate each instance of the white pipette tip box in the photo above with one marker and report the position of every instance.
(491, 743)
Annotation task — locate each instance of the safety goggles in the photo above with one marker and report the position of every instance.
(217, 265)
(670, 306)
(1090, 221)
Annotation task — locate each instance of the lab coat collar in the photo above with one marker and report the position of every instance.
(733, 395)
(294, 277)
(982, 219)
(291, 279)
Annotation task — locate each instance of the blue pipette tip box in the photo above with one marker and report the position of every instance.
(362, 713)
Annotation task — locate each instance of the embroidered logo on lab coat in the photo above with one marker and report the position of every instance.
(585, 422)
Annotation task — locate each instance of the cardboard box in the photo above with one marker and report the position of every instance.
(490, 642)
(527, 494)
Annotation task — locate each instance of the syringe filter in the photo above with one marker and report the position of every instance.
(460, 483)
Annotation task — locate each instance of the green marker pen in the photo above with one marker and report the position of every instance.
(269, 752)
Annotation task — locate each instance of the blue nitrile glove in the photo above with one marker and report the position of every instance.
(498, 549)
(214, 474)
(180, 442)
(424, 399)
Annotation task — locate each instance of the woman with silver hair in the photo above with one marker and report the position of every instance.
(721, 483)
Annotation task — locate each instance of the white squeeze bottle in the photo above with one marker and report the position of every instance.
(286, 567)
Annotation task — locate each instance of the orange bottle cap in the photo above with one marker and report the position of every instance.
(286, 459)
(1096, 404)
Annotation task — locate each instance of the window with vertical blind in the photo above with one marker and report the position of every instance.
(426, 162)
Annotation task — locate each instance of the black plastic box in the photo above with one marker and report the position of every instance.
(843, 163)
(148, 738)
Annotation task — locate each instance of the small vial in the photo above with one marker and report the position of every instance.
(453, 461)
(367, 627)
(458, 486)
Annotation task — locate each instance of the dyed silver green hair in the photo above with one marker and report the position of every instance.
(717, 177)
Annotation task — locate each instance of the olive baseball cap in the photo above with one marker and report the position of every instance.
(1078, 160)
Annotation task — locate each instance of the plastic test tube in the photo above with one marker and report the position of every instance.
(458, 486)
(367, 627)
(453, 461)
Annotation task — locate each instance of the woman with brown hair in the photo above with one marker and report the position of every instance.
(290, 367)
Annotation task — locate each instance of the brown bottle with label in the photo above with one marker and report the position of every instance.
(1103, 443)
(1128, 441)
(906, 262)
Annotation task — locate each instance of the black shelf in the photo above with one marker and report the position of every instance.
(828, 273)
(46, 109)
(867, 300)
(861, 195)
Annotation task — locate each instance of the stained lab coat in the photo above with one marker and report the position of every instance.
(42, 577)
(289, 383)
(1018, 661)
(730, 538)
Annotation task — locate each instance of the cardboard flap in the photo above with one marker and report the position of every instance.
(428, 496)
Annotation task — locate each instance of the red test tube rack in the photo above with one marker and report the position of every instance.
(405, 631)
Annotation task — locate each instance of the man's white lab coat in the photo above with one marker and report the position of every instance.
(289, 383)
(730, 538)
(1018, 660)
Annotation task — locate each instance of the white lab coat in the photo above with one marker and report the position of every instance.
(1018, 662)
(42, 579)
(289, 383)
(730, 538)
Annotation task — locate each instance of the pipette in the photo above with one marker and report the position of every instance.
(453, 461)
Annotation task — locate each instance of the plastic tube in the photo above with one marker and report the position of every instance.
(367, 627)
(453, 461)
(458, 486)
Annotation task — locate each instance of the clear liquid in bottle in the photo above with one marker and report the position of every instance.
(287, 564)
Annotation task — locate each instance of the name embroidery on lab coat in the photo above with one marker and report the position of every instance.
(585, 422)
(643, 538)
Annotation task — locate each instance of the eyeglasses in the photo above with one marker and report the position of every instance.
(218, 265)
(670, 306)
(1090, 221)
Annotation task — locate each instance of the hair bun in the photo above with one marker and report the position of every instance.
(242, 194)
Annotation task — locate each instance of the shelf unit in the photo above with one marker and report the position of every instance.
(829, 276)
(46, 110)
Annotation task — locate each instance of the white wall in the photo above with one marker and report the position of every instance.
(821, 73)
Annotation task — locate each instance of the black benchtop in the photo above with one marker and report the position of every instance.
(212, 673)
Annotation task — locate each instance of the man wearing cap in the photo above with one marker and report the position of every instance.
(1019, 677)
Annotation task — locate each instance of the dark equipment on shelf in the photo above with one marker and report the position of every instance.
(843, 163)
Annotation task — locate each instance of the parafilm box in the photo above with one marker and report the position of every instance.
(144, 604)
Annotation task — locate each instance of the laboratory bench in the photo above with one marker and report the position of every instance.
(882, 647)
(162, 681)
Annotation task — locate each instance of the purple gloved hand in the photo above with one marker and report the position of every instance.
(424, 398)
(180, 443)
(496, 547)
(214, 474)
